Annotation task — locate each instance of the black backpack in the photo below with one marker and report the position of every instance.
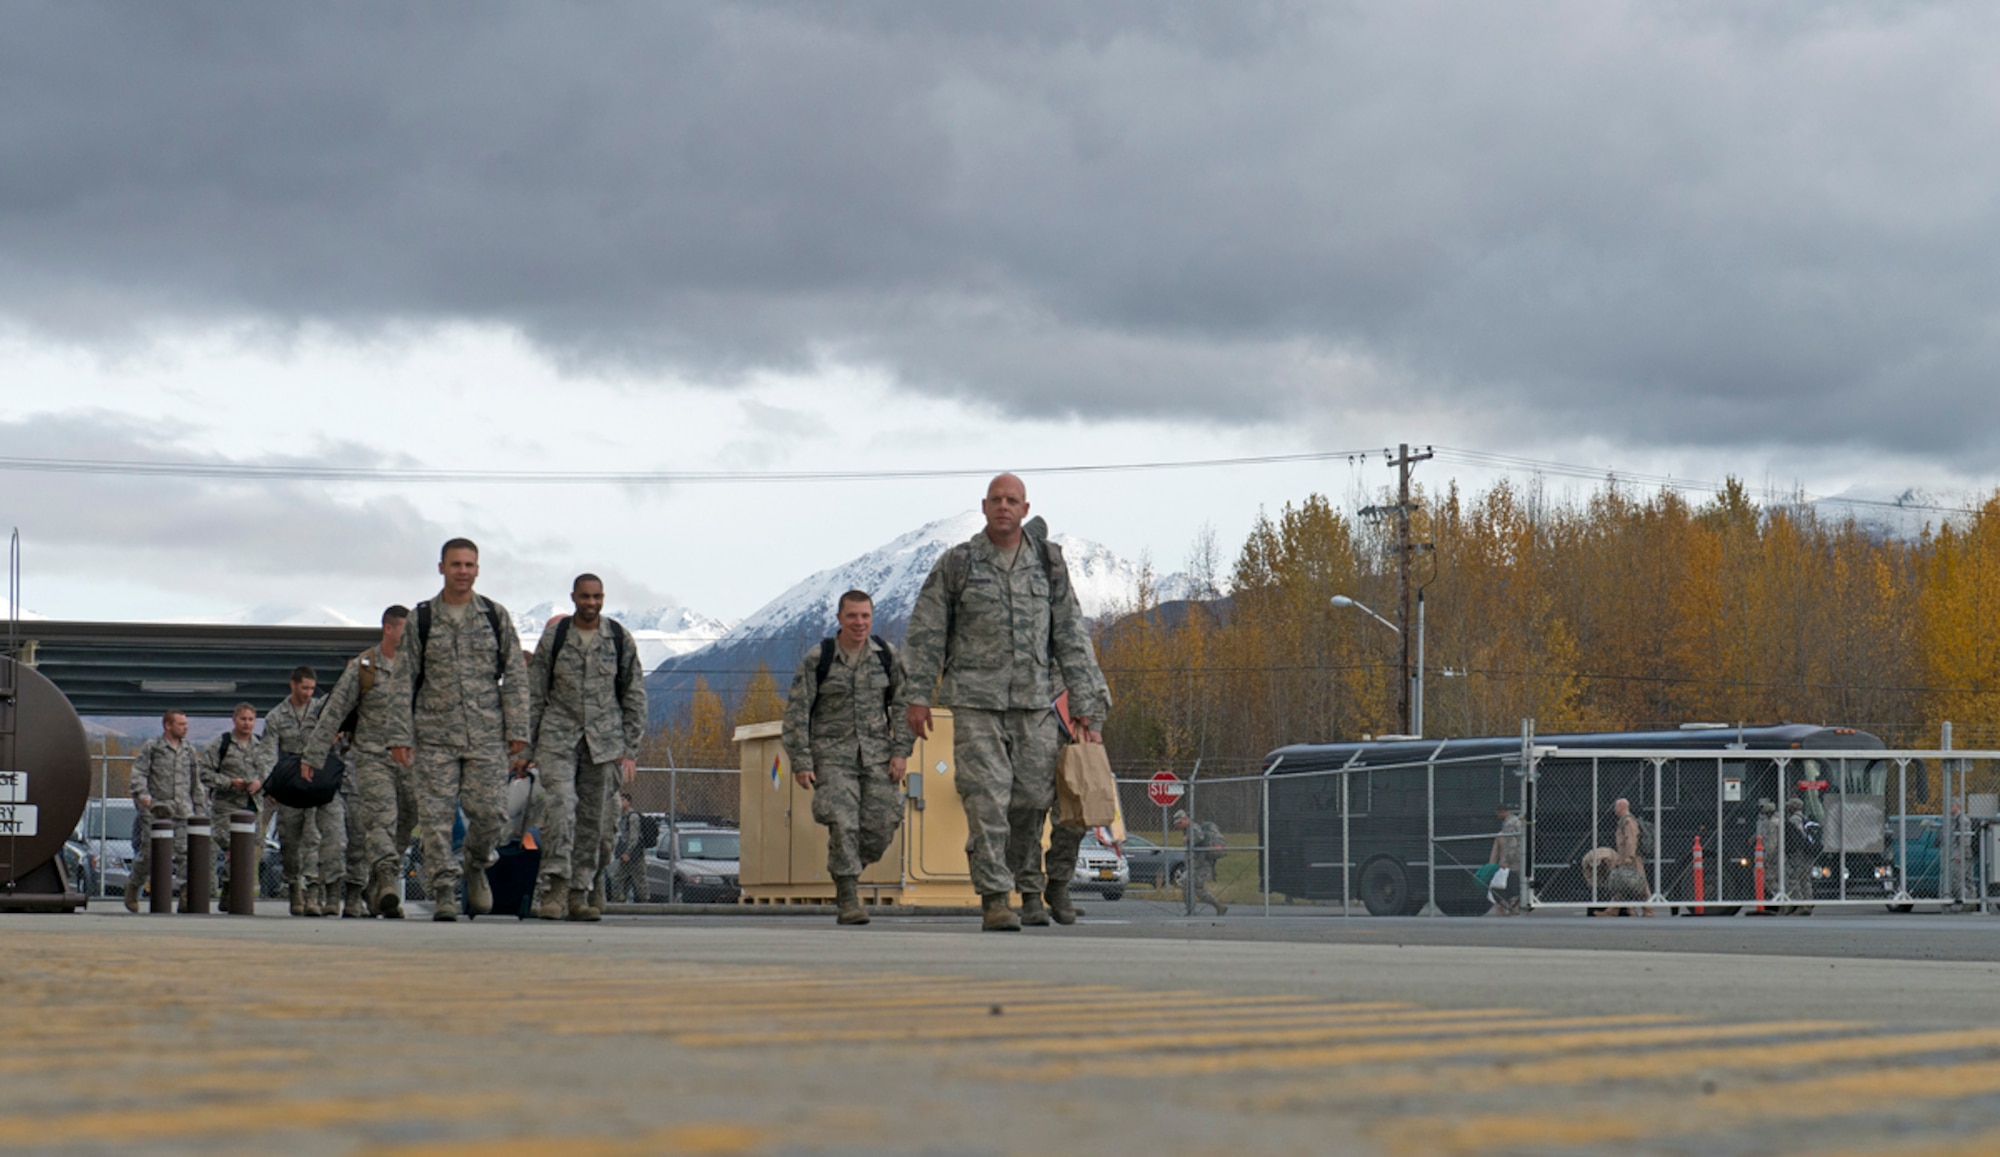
(424, 638)
(620, 682)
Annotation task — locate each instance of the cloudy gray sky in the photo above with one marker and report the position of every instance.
(1692, 238)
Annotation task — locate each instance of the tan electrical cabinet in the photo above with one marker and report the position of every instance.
(784, 849)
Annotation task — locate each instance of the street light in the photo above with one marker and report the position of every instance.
(1416, 721)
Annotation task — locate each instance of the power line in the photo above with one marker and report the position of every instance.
(298, 472)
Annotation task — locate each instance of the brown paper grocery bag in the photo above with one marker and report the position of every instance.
(1086, 794)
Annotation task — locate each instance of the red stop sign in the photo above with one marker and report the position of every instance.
(1165, 789)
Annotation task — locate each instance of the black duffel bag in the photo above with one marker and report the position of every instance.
(288, 787)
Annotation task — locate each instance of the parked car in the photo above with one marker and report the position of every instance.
(112, 819)
(1152, 863)
(694, 865)
(79, 865)
(1100, 869)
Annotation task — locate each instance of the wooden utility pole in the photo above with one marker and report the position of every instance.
(1403, 461)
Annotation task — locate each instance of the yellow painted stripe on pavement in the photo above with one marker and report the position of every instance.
(981, 1026)
(1663, 1064)
(1817, 1098)
(1427, 1023)
(724, 1139)
(1267, 1060)
(232, 1119)
(1979, 1145)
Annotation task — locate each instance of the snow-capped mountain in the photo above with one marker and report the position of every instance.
(1897, 514)
(893, 574)
(780, 631)
(660, 633)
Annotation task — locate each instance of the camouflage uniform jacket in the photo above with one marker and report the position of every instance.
(289, 728)
(1208, 845)
(381, 712)
(999, 639)
(171, 774)
(249, 762)
(573, 695)
(1507, 845)
(631, 829)
(844, 720)
(461, 705)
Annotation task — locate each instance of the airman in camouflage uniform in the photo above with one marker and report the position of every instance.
(166, 777)
(587, 732)
(383, 812)
(1204, 853)
(312, 841)
(849, 740)
(995, 635)
(233, 767)
(468, 720)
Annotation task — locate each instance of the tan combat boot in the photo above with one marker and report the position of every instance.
(1033, 915)
(444, 911)
(1061, 910)
(383, 900)
(298, 897)
(581, 909)
(847, 897)
(352, 907)
(597, 893)
(478, 894)
(998, 916)
(549, 900)
(312, 905)
(132, 892)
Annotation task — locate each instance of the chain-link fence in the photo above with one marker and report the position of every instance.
(1763, 831)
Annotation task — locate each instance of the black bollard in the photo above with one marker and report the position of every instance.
(201, 867)
(163, 866)
(243, 863)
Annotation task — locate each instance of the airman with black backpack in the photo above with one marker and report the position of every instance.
(467, 723)
(588, 713)
(849, 745)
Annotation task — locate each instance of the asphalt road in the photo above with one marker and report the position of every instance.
(1135, 1031)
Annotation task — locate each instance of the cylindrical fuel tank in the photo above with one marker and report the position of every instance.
(44, 770)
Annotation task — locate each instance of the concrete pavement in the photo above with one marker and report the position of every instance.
(919, 1035)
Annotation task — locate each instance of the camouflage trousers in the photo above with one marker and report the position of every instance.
(1198, 882)
(1007, 781)
(576, 793)
(142, 862)
(381, 819)
(312, 843)
(861, 810)
(448, 779)
(224, 804)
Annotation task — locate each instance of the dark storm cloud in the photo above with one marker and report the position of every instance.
(1690, 223)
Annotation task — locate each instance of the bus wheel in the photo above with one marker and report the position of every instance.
(1385, 887)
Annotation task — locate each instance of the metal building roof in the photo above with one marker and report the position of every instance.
(202, 669)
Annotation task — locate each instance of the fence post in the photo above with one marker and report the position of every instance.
(1430, 907)
(1346, 858)
(1265, 785)
(1948, 837)
(1187, 834)
(1530, 794)
(1659, 843)
(673, 838)
(1784, 823)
